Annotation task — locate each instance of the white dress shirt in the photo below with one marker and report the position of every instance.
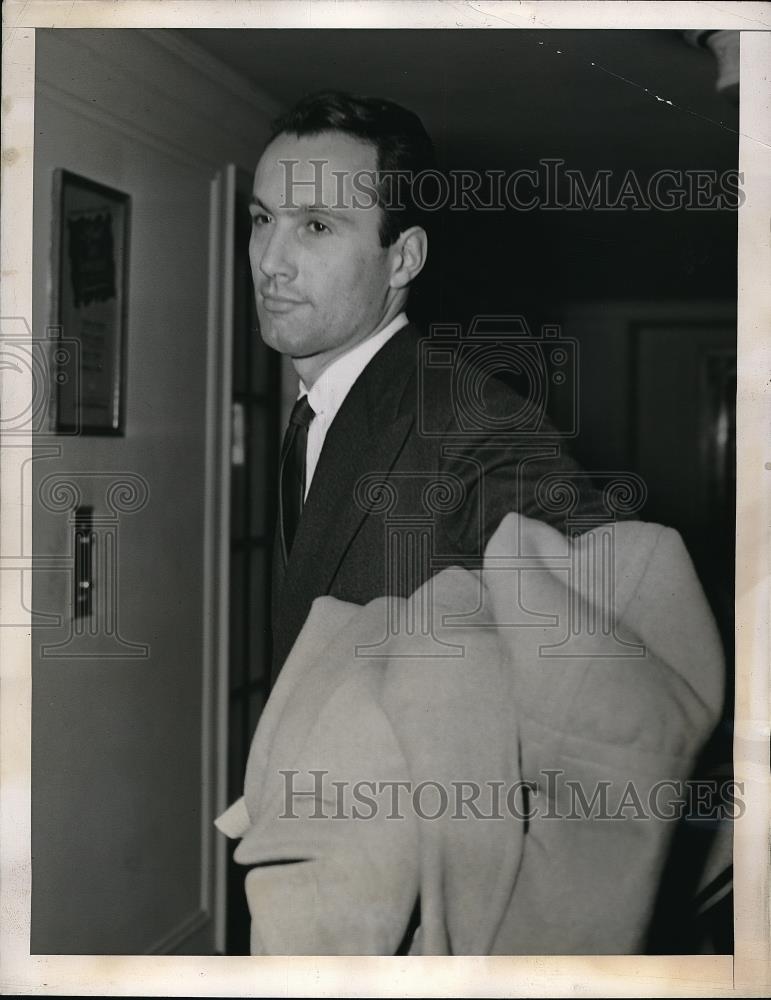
(327, 393)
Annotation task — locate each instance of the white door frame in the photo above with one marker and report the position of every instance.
(214, 728)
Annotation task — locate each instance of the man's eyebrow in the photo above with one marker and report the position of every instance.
(335, 214)
(255, 202)
(325, 210)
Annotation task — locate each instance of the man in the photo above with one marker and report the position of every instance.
(384, 480)
(403, 458)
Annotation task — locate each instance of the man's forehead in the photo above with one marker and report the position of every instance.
(300, 169)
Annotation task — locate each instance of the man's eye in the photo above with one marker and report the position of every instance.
(318, 227)
(260, 219)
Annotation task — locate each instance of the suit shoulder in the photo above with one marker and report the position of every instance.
(469, 398)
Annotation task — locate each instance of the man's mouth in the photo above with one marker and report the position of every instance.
(279, 303)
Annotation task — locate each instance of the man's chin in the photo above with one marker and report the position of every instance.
(280, 334)
(273, 330)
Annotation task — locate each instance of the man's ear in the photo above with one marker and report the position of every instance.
(408, 255)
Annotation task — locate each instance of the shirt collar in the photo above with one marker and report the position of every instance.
(335, 382)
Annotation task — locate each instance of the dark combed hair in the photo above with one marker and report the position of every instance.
(401, 142)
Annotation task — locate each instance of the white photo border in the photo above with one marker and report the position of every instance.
(748, 971)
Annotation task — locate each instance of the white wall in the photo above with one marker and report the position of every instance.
(120, 786)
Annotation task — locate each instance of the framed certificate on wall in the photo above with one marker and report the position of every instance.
(90, 279)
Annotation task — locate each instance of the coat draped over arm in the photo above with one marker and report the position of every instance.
(506, 749)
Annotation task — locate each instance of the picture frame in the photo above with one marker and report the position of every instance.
(89, 304)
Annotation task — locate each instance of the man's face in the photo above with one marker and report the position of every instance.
(321, 278)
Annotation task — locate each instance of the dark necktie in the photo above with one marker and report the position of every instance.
(292, 471)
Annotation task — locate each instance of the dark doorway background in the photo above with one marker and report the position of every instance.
(505, 100)
(649, 295)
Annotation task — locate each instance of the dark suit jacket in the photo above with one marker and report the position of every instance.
(415, 474)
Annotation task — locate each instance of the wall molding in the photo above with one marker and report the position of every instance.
(124, 127)
(201, 137)
(218, 72)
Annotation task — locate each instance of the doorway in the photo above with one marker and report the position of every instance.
(254, 454)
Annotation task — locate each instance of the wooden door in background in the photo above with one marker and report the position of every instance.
(657, 397)
(684, 443)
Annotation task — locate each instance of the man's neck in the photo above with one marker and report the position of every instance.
(309, 369)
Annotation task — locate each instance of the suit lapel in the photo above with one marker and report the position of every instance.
(366, 435)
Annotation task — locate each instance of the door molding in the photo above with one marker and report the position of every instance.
(214, 721)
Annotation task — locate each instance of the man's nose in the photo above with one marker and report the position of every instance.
(277, 260)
